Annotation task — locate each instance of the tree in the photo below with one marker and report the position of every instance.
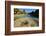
(15, 10)
(34, 13)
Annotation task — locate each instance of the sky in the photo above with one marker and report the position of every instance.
(27, 10)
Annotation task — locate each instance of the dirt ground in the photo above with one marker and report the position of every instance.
(25, 22)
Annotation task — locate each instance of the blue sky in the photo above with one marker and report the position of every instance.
(28, 10)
